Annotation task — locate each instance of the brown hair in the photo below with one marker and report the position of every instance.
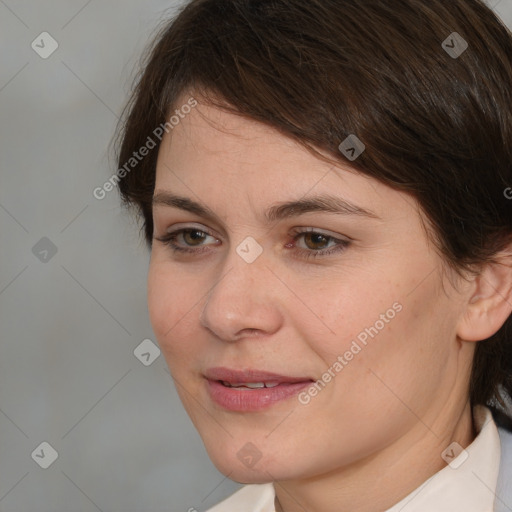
(435, 124)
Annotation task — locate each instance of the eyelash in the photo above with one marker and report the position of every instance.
(170, 239)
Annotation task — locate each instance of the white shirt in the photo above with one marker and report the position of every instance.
(467, 484)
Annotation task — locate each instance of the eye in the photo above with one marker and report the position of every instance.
(192, 238)
(317, 244)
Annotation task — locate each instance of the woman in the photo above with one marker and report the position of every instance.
(323, 187)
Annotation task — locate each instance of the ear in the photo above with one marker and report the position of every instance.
(490, 301)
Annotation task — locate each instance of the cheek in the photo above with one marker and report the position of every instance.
(402, 362)
(349, 312)
(379, 330)
(172, 306)
(160, 302)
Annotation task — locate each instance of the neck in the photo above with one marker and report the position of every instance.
(382, 479)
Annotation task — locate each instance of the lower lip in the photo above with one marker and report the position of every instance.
(245, 399)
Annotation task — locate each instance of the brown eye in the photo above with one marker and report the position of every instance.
(316, 241)
(192, 237)
(314, 244)
(187, 240)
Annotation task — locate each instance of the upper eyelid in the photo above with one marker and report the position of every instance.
(296, 231)
(180, 229)
(321, 231)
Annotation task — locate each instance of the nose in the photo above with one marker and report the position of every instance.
(243, 302)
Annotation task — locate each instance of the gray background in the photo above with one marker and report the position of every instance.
(70, 321)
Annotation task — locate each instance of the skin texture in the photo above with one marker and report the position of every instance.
(377, 430)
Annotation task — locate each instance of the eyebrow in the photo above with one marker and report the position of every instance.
(321, 203)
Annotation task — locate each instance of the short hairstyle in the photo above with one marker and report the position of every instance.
(426, 85)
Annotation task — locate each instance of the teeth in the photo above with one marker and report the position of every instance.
(251, 385)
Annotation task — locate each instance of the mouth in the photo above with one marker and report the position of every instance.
(251, 390)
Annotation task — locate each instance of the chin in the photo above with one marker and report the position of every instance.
(231, 467)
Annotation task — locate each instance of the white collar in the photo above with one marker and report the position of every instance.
(469, 481)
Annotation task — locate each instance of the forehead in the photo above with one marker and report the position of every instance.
(216, 154)
(213, 133)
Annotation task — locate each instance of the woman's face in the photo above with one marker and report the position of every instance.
(351, 299)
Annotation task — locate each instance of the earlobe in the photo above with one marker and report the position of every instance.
(490, 304)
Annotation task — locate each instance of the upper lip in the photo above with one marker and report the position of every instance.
(235, 376)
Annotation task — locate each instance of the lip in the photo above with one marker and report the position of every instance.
(247, 400)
